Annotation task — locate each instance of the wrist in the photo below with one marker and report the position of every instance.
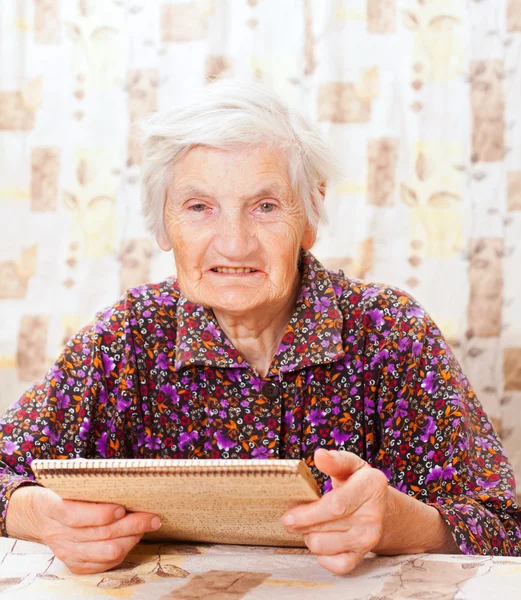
(22, 521)
(413, 527)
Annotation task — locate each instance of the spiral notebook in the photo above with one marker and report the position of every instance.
(225, 501)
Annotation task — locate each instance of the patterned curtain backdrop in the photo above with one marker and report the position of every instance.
(419, 98)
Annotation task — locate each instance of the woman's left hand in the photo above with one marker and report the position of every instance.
(348, 521)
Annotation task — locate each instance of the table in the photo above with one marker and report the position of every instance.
(193, 571)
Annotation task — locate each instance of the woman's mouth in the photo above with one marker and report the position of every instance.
(234, 270)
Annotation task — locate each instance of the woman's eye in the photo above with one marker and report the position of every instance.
(199, 207)
(266, 207)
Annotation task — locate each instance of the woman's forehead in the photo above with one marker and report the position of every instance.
(258, 170)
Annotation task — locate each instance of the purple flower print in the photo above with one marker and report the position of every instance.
(212, 329)
(401, 407)
(485, 483)
(475, 526)
(261, 452)
(416, 348)
(401, 487)
(340, 436)
(415, 311)
(379, 358)
(316, 417)
(403, 344)
(428, 429)
(440, 473)
(54, 437)
(108, 363)
(8, 446)
(164, 300)
(305, 294)
(170, 392)
(467, 549)
(376, 317)
(370, 292)
(122, 403)
(429, 383)
(139, 291)
(101, 444)
(84, 429)
(223, 442)
(322, 304)
(289, 419)
(186, 439)
(56, 373)
(162, 361)
(62, 400)
(152, 442)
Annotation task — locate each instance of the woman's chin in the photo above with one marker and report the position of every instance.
(234, 303)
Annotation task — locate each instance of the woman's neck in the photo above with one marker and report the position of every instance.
(257, 335)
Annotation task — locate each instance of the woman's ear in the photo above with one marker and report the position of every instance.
(310, 234)
(163, 242)
(309, 238)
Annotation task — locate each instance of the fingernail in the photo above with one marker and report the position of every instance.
(119, 513)
(289, 520)
(155, 523)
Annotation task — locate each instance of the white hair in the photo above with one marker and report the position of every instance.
(228, 114)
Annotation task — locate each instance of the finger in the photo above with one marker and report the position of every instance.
(102, 552)
(132, 524)
(339, 503)
(327, 544)
(355, 539)
(89, 568)
(340, 564)
(339, 465)
(334, 505)
(76, 513)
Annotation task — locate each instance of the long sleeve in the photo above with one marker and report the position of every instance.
(437, 444)
(71, 412)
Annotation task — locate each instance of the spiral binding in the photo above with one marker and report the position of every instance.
(163, 467)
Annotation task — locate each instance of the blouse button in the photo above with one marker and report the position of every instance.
(270, 390)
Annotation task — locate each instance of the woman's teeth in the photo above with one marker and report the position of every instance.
(231, 270)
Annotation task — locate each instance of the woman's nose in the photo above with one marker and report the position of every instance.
(235, 237)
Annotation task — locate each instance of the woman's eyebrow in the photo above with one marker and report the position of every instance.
(270, 190)
(263, 192)
(191, 190)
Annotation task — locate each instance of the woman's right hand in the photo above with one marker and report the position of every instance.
(88, 537)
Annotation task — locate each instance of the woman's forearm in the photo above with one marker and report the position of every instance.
(21, 521)
(413, 527)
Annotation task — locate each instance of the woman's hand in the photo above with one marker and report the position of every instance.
(88, 537)
(347, 522)
(363, 514)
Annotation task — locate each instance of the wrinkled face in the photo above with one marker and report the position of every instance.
(236, 228)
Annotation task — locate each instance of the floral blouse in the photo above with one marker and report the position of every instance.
(361, 368)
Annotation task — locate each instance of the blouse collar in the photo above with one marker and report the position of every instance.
(313, 335)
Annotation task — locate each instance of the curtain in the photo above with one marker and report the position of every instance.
(419, 99)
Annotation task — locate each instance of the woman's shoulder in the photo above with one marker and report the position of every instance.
(379, 301)
(150, 301)
(152, 296)
(368, 293)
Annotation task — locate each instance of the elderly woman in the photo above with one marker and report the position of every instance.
(257, 351)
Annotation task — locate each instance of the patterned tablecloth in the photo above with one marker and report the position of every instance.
(208, 571)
